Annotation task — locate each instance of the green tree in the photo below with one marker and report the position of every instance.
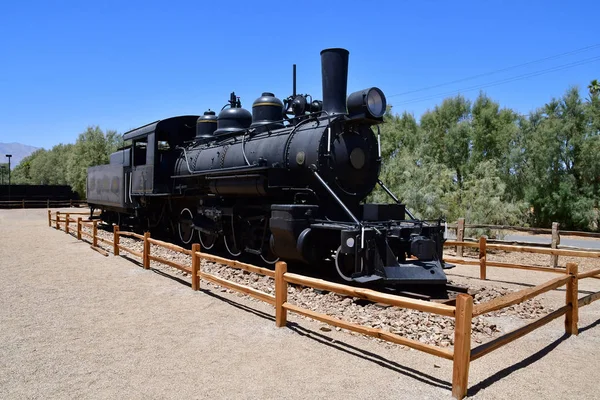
(92, 147)
(446, 134)
(594, 88)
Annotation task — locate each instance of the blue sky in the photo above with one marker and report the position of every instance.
(121, 64)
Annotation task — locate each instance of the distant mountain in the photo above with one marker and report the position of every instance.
(19, 151)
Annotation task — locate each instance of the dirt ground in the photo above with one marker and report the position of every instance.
(76, 324)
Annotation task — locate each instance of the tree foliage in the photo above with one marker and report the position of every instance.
(493, 165)
(66, 164)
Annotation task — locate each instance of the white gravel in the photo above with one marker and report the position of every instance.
(75, 324)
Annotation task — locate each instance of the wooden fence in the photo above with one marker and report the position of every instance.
(460, 227)
(463, 312)
(483, 246)
(42, 203)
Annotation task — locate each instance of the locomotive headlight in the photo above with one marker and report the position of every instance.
(367, 103)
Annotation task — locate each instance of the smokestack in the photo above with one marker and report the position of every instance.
(334, 72)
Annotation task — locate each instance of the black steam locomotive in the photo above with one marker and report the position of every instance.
(285, 182)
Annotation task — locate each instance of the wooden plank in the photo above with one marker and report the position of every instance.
(78, 228)
(560, 246)
(374, 332)
(128, 250)
(67, 220)
(49, 218)
(99, 250)
(267, 298)
(462, 346)
(170, 263)
(492, 345)
(482, 257)
(132, 234)
(105, 240)
(195, 267)
(554, 244)
(572, 315)
(505, 265)
(531, 244)
(146, 253)
(584, 301)
(84, 233)
(116, 240)
(581, 234)
(281, 288)
(238, 265)
(520, 296)
(95, 234)
(538, 250)
(463, 243)
(509, 228)
(589, 274)
(169, 246)
(371, 295)
(460, 235)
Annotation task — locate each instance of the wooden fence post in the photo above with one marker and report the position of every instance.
(554, 244)
(23, 203)
(195, 266)
(47, 203)
(280, 294)
(460, 236)
(572, 315)
(49, 218)
(70, 203)
(462, 345)
(482, 257)
(58, 220)
(78, 228)
(95, 233)
(146, 254)
(67, 224)
(116, 240)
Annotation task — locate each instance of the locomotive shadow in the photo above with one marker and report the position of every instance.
(342, 346)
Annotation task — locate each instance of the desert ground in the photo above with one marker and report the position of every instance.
(77, 324)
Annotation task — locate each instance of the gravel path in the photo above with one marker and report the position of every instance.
(74, 324)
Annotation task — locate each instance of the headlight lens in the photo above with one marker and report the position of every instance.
(369, 103)
(376, 102)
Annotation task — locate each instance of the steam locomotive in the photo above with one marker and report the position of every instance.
(286, 181)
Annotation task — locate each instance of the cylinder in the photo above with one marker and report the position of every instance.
(334, 73)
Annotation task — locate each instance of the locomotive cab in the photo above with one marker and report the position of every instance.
(153, 153)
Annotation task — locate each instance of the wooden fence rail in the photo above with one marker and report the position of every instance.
(22, 203)
(463, 312)
(460, 227)
(483, 263)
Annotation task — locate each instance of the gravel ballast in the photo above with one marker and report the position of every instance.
(74, 323)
